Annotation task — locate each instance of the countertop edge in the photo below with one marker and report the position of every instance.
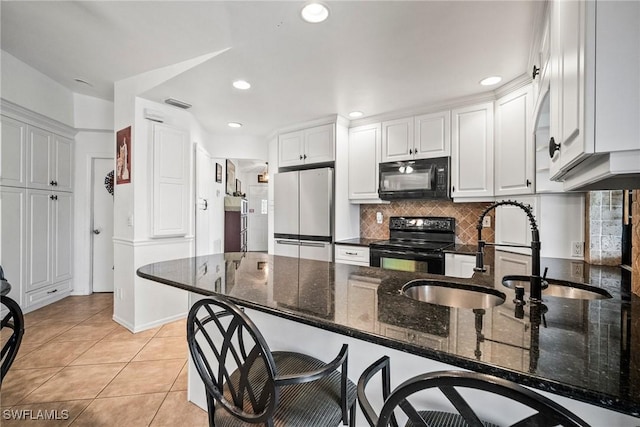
(593, 398)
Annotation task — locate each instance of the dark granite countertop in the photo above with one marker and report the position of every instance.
(587, 350)
(357, 241)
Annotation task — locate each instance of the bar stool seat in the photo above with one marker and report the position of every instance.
(247, 384)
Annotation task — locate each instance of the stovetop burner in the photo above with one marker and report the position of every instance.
(419, 234)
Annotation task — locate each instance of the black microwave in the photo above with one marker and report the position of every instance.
(415, 179)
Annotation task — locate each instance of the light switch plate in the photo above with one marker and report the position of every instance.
(379, 217)
(486, 222)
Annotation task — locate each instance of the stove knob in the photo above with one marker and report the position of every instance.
(420, 222)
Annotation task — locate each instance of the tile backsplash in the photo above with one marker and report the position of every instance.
(466, 215)
(604, 227)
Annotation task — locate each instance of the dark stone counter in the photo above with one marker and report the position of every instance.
(581, 349)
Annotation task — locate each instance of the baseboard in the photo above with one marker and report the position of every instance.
(150, 325)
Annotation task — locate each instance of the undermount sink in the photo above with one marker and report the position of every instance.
(456, 295)
(559, 288)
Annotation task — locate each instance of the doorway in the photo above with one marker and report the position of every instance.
(257, 218)
(102, 225)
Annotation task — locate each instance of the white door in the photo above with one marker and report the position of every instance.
(102, 228)
(257, 216)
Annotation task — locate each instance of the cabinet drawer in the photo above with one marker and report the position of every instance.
(356, 255)
(45, 295)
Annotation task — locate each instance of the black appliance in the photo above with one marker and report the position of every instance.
(415, 244)
(415, 179)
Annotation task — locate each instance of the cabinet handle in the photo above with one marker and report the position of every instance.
(528, 183)
(55, 183)
(351, 253)
(410, 151)
(553, 147)
(51, 197)
(535, 72)
(52, 182)
(55, 197)
(300, 156)
(305, 156)
(453, 189)
(53, 291)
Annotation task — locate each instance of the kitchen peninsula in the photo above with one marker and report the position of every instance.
(576, 351)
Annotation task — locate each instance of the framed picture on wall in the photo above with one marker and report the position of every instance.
(263, 178)
(231, 177)
(123, 156)
(218, 172)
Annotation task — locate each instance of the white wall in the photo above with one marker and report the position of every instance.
(29, 88)
(237, 147)
(95, 140)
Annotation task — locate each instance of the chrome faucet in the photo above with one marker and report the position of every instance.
(535, 288)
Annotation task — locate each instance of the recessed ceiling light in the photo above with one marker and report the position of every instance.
(241, 84)
(489, 81)
(315, 13)
(356, 114)
(234, 125)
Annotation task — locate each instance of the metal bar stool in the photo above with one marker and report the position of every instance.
(12, 319)
(541, 411)
(246, 383)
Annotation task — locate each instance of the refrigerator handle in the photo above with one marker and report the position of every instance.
(315, 245)
(288, 242)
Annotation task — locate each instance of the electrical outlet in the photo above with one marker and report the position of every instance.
(577, 248)
(577, 270)
(379, 217)
(486, 222)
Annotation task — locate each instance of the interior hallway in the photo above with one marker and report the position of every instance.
(73, 357)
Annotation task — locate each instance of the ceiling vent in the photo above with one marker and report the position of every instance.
(177, 103)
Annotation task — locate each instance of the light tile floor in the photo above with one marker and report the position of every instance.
(77, 363)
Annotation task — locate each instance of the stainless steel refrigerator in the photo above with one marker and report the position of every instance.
(303, 214)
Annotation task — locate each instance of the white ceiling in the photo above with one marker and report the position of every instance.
(372, 56)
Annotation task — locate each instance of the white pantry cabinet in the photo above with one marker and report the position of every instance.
(307, 146)
(364, 158)
(472, 151)
(33, 157)
(36, 204)
(420, 137)
(514, 150)
(49, 234)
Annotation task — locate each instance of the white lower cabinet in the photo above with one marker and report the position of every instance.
(459, 265)
(354, 255)
(49, 247)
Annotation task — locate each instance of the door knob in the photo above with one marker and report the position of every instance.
(96, 231)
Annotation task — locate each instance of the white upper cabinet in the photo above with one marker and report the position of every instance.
(13, 154)
(419, 137)
(514, 151)
(472, 151)
(40, 158)
(364, 157)
(62, 167)
(308, 146)
(397, 140)
(433, 135)
(171, 175)
(594, 89)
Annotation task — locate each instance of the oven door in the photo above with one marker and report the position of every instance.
(407, 260)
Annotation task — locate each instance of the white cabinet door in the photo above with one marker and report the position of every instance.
(513, 226)
(13, 153)
(171, 181)
(39, 246)
(40, 158)
(63, 163)
(432, 135)
(290, 149)
(364, 157)
(62, 236)
(397, 140)
(514, 151)
(319, 144)
(13, 245)
(459, 265)
(472, 151)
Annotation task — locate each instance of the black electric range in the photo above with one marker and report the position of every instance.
(415, 244)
